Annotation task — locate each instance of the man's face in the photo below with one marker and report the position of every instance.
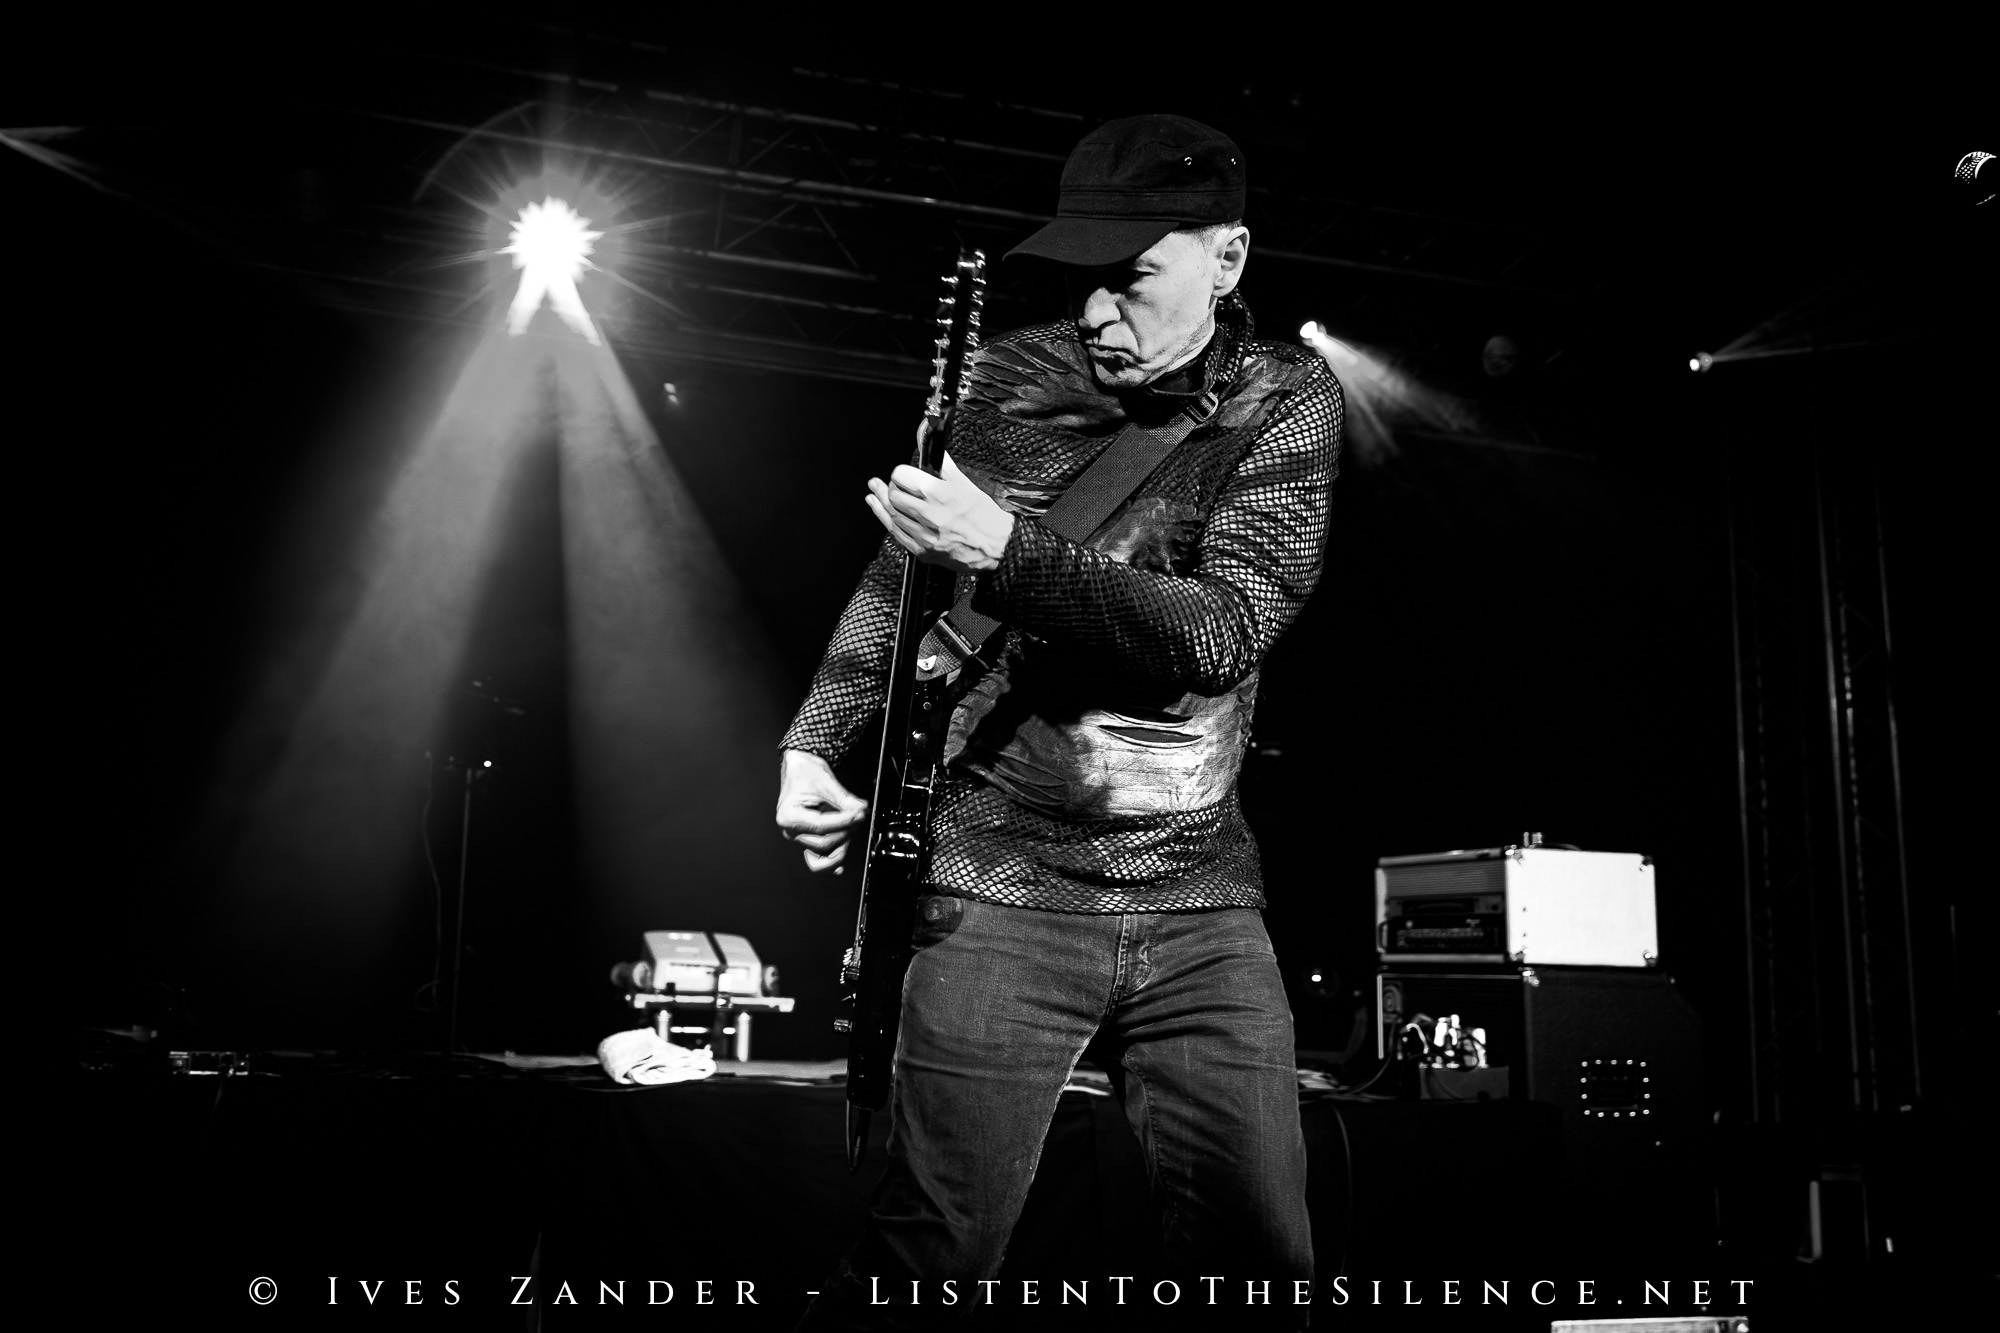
(1142, 318)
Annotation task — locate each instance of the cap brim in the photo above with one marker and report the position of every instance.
(1093, 242)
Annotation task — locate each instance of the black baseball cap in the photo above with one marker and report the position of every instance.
(1132, 181)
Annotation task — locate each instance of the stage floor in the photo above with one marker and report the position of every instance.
(415, 1190)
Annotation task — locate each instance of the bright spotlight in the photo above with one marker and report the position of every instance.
(1312, 330)
(551, 244)
(1700, 362)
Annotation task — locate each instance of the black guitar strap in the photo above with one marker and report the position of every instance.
(1077, 513)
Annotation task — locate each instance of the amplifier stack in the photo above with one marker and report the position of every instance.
(1532, 971)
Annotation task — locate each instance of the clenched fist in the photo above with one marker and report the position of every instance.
(815, 811)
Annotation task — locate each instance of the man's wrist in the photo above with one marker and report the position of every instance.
(997, 548)
(791, 758)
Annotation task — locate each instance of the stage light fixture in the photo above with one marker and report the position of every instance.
(551, 244)
(1700, 362)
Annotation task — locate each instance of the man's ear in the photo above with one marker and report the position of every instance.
(1233, 255)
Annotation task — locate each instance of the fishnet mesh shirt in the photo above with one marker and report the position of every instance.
(1174, 600)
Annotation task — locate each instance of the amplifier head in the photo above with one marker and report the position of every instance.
(1524, 905)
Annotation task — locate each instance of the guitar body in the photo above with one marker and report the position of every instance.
(897, 858)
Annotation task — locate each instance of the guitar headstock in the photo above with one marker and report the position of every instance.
(958, 312)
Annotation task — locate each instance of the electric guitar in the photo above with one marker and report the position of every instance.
(906, 774)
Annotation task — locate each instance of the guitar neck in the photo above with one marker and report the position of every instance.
(906, 772)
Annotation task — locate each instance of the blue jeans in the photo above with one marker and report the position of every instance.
(998, 1007)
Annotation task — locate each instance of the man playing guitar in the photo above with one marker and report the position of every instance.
(1090, 877)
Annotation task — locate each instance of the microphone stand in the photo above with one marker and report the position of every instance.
(484, 690)
(473, 772)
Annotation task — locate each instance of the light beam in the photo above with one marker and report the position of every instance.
(328, 759)
(1379, 396)
(676, 698)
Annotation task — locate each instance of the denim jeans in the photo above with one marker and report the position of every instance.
(998, 1007)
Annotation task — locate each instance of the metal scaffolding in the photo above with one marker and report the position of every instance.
(1828, 931)
(800, 226)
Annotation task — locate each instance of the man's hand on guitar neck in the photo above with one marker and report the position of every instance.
(944, 520)
(815, 811)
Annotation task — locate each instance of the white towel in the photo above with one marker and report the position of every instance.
(644, 1056)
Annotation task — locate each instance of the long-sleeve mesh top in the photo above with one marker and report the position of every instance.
(1094, 768)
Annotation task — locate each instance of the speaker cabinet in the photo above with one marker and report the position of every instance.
(1618, 1051)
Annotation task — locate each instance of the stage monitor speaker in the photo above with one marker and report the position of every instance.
(1617, 1050)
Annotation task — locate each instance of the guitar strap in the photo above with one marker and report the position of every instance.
(1077, 513)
